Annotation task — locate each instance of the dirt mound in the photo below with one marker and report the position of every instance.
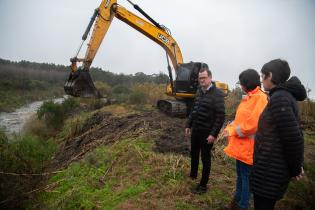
(104, 128)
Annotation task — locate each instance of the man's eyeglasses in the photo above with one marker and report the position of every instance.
(203, 78)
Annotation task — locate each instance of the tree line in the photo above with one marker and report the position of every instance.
(57, 74)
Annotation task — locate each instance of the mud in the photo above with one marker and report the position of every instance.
(104, 128)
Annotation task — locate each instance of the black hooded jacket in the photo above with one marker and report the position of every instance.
(279, 142)
(208, 111)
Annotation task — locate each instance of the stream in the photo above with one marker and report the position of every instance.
(13, 122)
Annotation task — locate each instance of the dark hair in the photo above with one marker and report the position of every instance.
(280, 70)
(249, 79)
(204, 67)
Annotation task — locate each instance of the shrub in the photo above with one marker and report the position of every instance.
(3, 139)
(307, 109)
(152, 91)
(26, 154)
(138, 97)
(120, 89)
(232, 101)
(21, 154)
(54, 114)
(39, 128)
(69, 104)
(104, 89)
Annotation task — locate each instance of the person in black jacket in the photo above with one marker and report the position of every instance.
(204, 123)
(279, 142)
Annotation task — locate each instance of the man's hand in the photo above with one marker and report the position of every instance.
(187, 131)
(300, 176)
(211, 139)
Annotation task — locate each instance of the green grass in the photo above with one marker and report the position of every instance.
(86, 184)
(308, 138)
(129, 174)
(184, 206)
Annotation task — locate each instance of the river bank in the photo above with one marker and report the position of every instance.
(13, 122)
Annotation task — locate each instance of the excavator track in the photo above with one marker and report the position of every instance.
(173, 108)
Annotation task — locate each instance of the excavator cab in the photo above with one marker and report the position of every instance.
(187, 78)
(183, 88)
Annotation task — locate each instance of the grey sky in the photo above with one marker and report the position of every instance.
(229, 35)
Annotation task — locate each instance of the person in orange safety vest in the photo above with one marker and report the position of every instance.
(241, 134)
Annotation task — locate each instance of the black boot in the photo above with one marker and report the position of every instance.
(199, 189)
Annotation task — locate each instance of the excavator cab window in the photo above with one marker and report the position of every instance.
(187, 77)
(183, 74)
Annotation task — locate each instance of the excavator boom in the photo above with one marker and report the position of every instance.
(80, 84)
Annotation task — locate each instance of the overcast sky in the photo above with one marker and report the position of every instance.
(229, 35)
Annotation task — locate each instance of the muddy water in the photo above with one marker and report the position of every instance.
(13, 122)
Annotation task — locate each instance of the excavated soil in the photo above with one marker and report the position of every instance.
(104, 128)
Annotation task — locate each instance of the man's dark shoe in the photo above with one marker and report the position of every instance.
(199, 190)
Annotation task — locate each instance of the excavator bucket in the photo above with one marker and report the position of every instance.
(80, 84)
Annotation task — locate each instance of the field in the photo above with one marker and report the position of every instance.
(120, 157)
(86, 154)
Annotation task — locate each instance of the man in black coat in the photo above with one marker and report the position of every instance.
(279, 142)
(205, 121)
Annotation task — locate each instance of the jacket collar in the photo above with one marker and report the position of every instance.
(211, 87)
(250, 93)
(253, 92)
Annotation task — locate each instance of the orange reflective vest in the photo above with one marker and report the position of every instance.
(241, 132)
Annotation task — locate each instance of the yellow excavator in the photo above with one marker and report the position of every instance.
(183, 88)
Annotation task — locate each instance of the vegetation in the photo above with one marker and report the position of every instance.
(307, 113)
(21, 155)
(24, 157)
(15, 93)
(231, 103)
(301, 194)
(23, 82)
(54, 114)
(129, 175)
(125, 174)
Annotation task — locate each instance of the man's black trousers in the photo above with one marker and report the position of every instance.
(199, 143)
